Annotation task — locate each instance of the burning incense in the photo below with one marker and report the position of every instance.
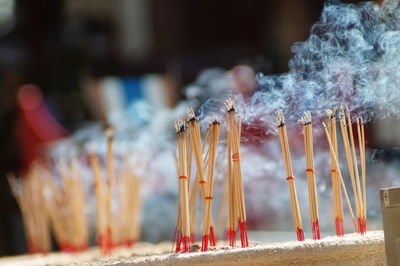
(310, 172)
(361, 143)
(232, 198)
(237, 206)
(212, 152)
(195, 139)
(110, 175)
(336, 188)
(331, 147)
(348, 142)
(280, 121)
(184, 229)
(357, 176)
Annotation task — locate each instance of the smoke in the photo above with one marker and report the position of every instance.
(351, 57)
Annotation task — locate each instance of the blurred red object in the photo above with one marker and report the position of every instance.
(36, 126)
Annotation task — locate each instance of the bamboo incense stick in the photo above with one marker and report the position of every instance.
(361, 141)
(232, 221)
(183, 186)
(193, 196)
(357, 176)
(195, 137)
(110, 176)
(189, 163)
(310, 172)
(336, 188)
(128, 228)
(212, 150)
(28, 192)
(238, 199)
(340, 175)
(350, 164)
(99, 193)
(74, 198)
(280, 121)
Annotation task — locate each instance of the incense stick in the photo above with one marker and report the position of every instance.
(29, 192)
(350, 164)
(336, 188)
(280, 121)
(357, 176)
(208, 230)
(183, 186)
(195, 138)
(110, 177)
(99, 193)
(235, 173)
(340, 175)
(310, 172)
(361, 140)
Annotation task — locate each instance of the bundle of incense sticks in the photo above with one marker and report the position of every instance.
(123, 227)
(213, 139)
(336, 186)
(337, 170)
(28, 191)
(60, 207)
(182, 235)
(352, 163)
(310, 172)
(52, 197)
(196, 147)
(129, 198)
(193, 199)
(280, 121)
(58, 218)
(72, 202)
(237, 208)
(99, 189)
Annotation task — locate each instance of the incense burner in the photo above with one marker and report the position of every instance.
(352, 249)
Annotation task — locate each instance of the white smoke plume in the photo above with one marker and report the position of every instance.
(351, 57)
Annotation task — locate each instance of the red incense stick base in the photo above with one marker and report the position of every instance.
(204, 243)
(102, 242)
(186, 243)
(213, 240)
(32, 249)
(362, 226)
(109, 241)
(300, 234)
(315, 230)
(339, 226)
(178, 240)
(232, 238)
(129, 243)
(243, 234)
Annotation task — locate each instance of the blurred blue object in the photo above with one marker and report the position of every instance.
(132, 88)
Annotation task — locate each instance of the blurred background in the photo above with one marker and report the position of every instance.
(77, 52)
